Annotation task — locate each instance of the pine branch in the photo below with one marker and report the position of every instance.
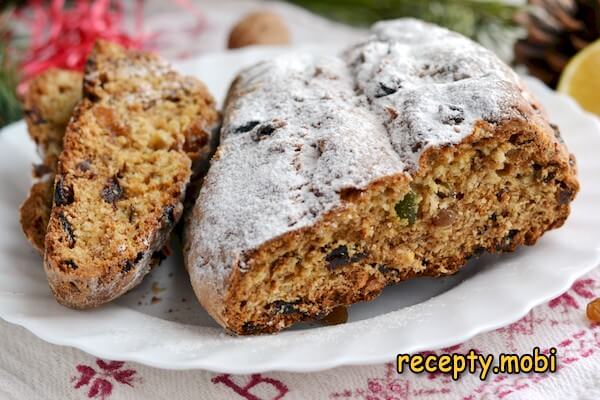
(10, 108)
(6, 4)
(477, 19)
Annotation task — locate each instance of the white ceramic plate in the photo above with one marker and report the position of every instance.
(161, 324)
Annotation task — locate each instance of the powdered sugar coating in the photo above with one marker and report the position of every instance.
(429, 85)
(300, 128)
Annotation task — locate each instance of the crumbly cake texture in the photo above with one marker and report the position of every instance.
(336, 176)
(48, 106)
(128, 156)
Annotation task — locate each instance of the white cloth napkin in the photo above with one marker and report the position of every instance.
(32, 369)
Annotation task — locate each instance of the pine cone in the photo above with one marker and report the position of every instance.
(556, 30)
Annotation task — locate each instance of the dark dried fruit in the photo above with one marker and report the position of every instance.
(477, 252)
(361, 59)
(249, 328)
(407, 208)
(385, 270)
(548, 178)
(385, 90)
(35, 116)
(70, 264)
(564, 195)
(112, 191)
(507, 241)
(173, 96)
(350, 193)
(339, 257)
(170, 214)
(247, 127)
(415, 148)
(451, 115)
(138, 257)
(285, 307)
(557, 134)
(63, 194)
(127, 267)
(338, 315)
(68, 228)
(84, 165)
(265, 130)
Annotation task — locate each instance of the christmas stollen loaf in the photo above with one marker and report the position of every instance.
(129, 153)
(336, 176)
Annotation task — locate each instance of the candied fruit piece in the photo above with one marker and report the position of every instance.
(407, 208)
(339, 315)
(444, 218)
(593, 310)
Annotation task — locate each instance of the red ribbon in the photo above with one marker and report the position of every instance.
(63, 36)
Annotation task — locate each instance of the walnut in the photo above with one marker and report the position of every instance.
(260, 28)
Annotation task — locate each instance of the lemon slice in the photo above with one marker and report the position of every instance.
(581, 78)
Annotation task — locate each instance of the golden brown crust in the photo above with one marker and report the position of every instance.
(35, 213)
(122, 176)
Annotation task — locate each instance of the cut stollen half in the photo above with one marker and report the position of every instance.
(338, 175)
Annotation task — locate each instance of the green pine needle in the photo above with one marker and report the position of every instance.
(477, 19)
(10, 108)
